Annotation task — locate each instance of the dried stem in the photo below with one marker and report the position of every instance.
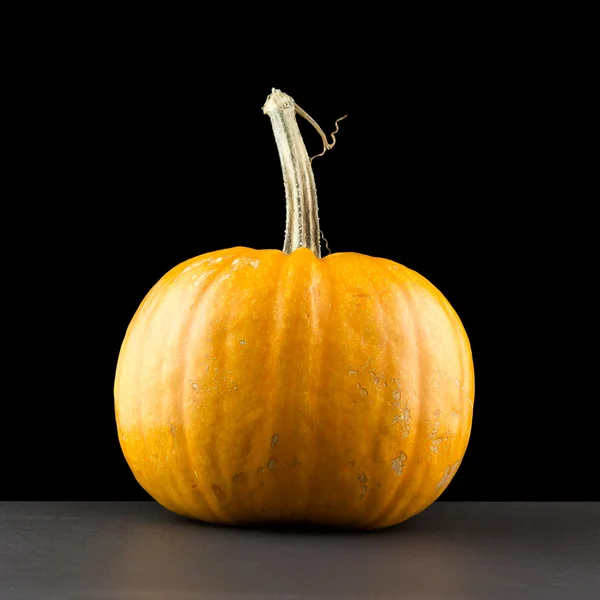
(302, 214)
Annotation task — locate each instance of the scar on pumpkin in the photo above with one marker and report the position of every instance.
(364, 480)
(274, 441)
(219, 492)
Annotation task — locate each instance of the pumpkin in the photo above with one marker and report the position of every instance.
(268, 386)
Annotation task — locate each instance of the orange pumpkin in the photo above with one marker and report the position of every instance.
(260, 386)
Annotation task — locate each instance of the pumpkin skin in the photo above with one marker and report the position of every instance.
(254, 386)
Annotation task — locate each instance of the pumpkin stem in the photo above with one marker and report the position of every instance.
(302, 213)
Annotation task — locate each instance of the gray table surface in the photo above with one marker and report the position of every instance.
(139, 550)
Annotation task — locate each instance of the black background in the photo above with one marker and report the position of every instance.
(466, 167)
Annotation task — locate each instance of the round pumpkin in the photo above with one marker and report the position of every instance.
(258, 386)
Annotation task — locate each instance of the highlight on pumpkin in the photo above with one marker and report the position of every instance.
(268, 386)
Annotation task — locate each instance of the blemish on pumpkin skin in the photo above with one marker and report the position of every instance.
(352, 372)
(243, 342)
(274, 441)
(219, 492)
(398, 464)
(364, 480)
(396, 394)
(435, 445)
(402, 416)
(236, 477)
(447, 475)
(362, 391)
(351, 463)
(271, 464)
(377, 379)
(434, 430)
(194, 486)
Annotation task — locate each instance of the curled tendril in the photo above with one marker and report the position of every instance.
(326, 242)
(326, 144)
